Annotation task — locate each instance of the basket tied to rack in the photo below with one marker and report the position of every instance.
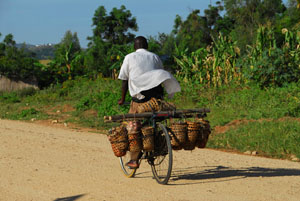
(154, 105)
(135, 141)
(149, 106)
(205, 132)
(178, 134)
(148, 138)
(193, 133)
(119, 141)
(134, 137)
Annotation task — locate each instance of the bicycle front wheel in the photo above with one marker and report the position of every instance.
(161, 163)
(126, 170)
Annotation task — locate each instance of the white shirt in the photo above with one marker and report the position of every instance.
(144, 71)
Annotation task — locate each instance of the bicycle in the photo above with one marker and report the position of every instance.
(161, 158)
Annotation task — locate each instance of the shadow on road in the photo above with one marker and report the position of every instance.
(220, 172)
(72, 198)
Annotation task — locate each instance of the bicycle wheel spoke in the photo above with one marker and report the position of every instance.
(162, 161)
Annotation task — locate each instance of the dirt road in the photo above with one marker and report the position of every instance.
(40, 163)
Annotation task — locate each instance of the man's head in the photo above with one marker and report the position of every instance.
(140, 42)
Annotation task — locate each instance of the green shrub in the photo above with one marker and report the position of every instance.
(274, 67)
(85, 103)
(28, 112)
(9, 97)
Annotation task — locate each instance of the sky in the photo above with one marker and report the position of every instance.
(40, 22)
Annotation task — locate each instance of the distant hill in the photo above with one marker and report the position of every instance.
(45, 51)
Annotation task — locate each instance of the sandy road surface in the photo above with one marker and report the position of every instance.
(53, 164)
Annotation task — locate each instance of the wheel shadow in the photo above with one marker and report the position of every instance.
(221, 173)
(72, 198)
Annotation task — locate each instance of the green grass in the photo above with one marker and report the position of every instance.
(277, 139)
(243, 102)
(82, 94)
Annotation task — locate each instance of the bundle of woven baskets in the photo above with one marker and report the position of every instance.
(184, 135)
(132, 137)
(154, 105)
(149, 106)
(190, 134)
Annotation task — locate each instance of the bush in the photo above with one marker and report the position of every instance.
(275, 67)
(9, 97)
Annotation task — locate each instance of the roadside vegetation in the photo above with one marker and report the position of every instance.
(246, 74)
(270, 117)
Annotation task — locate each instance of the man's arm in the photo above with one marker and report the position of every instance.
(124, 91)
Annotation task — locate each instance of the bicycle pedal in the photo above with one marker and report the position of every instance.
(133, 168)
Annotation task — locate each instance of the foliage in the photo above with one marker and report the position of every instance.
(111, 36)
(117, 54)
(114, 27)
(68, 61)
(249, 14)
(198, 31)
(18, 64)
(9, 98)
(278, 139)
(269, 65)
(193, 32)
(213, 66)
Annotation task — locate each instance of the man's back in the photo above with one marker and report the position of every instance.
(139, 62)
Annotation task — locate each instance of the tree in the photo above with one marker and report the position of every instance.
(67, 51)
(109, 30)
(198, 31)
(9, 41)
(114, 28)
(249, 14)
(291, 18)
(17, 64)
(192, 33)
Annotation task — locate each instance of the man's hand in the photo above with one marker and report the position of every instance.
(120, 102)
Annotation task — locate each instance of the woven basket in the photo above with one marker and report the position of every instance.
(135, 142)
(148, 138)
(189, 146)
(193, 131)
(119, 141)
(205, 132)
(152, 105)
(178, 134)
(176, 148)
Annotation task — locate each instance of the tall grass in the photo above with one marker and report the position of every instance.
(211, 66)
(266, 63)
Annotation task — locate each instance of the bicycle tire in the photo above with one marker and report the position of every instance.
(126, 170)
(161, 164)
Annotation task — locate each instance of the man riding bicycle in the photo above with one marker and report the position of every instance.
(143, 75)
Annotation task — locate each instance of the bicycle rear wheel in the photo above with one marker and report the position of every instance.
(126, 170)
(162, 161)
